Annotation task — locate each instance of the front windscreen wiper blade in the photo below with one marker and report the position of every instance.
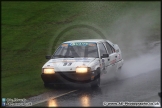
(68, 56)
(61, 56)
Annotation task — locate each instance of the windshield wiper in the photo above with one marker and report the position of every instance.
(58, 56)
(68, 56)
(61, 56)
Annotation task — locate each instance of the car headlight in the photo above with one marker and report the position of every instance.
(49, 71)
(83, 69)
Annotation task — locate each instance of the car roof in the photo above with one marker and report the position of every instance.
(87, 40)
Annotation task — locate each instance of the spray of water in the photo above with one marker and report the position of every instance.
(132, 26)
(134, 30)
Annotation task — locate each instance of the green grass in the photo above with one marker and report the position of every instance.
(27, 28)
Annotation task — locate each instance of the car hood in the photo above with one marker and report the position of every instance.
(67, 64)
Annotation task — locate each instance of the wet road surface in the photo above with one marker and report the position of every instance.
(138, 89)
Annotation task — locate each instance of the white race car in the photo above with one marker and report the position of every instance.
(81, 61)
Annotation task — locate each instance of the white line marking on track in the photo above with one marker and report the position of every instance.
(52, 97)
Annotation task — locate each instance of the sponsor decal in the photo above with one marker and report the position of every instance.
(78, 44)
(113, 61)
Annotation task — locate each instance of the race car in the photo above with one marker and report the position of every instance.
(82, 61)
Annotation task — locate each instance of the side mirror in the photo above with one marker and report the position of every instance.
(48, 57)
(105, 56)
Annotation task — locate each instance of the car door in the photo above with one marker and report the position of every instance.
(103, 61)
(112, 66)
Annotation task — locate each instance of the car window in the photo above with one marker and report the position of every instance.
(113, 50)
(109, 48)
(77, 49)
(102, 49)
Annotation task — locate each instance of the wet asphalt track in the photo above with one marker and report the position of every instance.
(140, 88)
(139, 82)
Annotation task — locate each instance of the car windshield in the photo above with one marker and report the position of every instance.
(77, 49)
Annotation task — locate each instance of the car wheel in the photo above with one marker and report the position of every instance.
(116, 73)
(120, 67)
(96, 82)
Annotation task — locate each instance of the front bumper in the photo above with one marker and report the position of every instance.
(65, 77)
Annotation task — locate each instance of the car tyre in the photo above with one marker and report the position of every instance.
(116, 74)
(96, 82)
(120, 68)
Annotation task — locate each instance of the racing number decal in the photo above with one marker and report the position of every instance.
(64, 64)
